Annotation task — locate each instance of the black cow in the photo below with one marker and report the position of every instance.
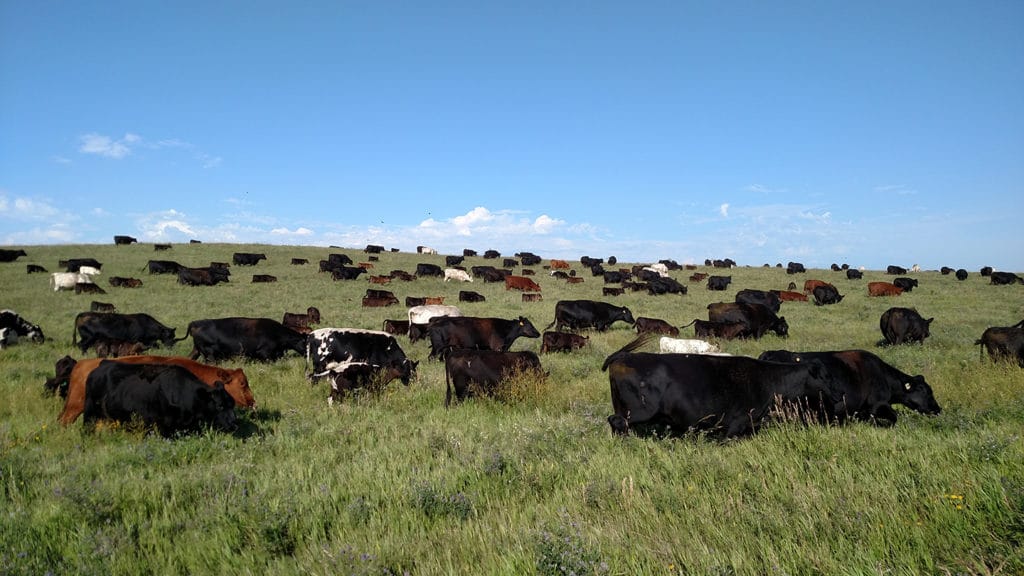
(163, 267)
(124, 240)
(166, 396)
(719, 282)
(492, 254)
(529, 258)
(961, 274)
(396, 327)
(723, 330)
(348, 377)
(580, 314)
(262, 278)
(34, 269)
(7, 255)
(561, 342)
(453, 260)
(209, 276)
(854, 274)
(1004, 343)
(255, 338)
(484, 369)
(509, 263)
(900, 325)
(614, 277)
(75, 264)
(453, 332)
(589, 262)
(826, 294)
(247, 258)
(868, 385)
(765, 298)
(373, 249)
(1004, 278)
(646, 325)
(895, 270)
(757, 318)
(159, 247)
(95, 327)
(727, 396)
(945, 270)
(985, 271)
(13, 327)
(466, 252)
(470, 296)
(88, 288)
(424, 269)
(340, 259)
(328, 348)
(299, 261)
(664, 285)
(346, 272)
(795, 268)
(907, 284)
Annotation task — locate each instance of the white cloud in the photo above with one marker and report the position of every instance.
(301, 231)
(106, 146)
(544, 224)
(29, 209)
(897, 189)
(724, 210)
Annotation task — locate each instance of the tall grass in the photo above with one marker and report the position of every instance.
(393, 483)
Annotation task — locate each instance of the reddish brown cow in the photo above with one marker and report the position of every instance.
(561, 342)
(698, 277)
(380, 279)
(235, 381)
(373, 302)
(883, 289)
(810, 285)
(521, 283)
(559, 265)
(574, 280)
(789, 296)
(433, 300)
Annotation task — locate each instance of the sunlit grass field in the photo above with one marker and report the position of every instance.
(534, 484)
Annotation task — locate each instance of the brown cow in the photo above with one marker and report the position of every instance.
(88, 288)
(521, 283)
(380, 279)
(574, 280)
(235, 381)
(365, 265)
(115, 348)
(371, 302)
(263, 278)
(561, 342)
(810, 285)
(302, 322)
(883, 289)
(433, 300)
(559, 265)
(396, 327)
(120, 281)
(790, 296)
(698, 277)
(646, 325)
(532, 298)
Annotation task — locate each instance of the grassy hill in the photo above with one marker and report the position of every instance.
(395, 483)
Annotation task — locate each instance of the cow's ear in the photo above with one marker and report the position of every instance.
(929, 321)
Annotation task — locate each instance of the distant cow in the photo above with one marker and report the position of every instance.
(470, 296)
(299, 261)
(163, 267)
(381, 297)
(88, 288)
(453, 260)
(372, 302)
(380, 279)
(789, 296)
(425, 250)
(582, 314)
(75, 264)
(609, 291)
(373, 249)
(521, 283)
(484, 370)
(664, 285)
(854, 274)
(669, 345)
(826, 295)
(426, 269)
(7, 255)
(466, 252)
(901, 325)
(34, 269)
(719, 282)
(123, 282)
(402, 275)
(698, 276)
(961, 274)
(985, 271)
(883, 289)
(209, 276)
(895, 270)
(810, 285)
(346, 272)
(907, 284)
(159, 247)
(492, 254)
(795, 268)
(1004, 278)
(561, 342)
(646, 325)
(246, 258)
(532, 297)
(302, 322)
(559, 265)
(257, 278)
(101, 307)
(456, 274)
(124, 240)
(1004, 343)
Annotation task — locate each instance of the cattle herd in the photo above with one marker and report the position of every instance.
(690, 385)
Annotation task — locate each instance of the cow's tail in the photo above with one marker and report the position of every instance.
(690, 324)
(188, 332)
(637, 342)
(981, 348)
(447, 386)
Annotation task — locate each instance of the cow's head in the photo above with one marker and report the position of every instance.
(780, 327)
(218, 407)
(917, 395)
(527, 329)
(167, 337)
(626, 315)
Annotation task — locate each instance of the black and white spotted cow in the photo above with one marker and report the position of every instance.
(329, 348)
(13, 327)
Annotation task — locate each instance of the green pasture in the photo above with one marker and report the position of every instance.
(531, 484)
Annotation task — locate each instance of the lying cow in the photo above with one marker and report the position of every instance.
(168, 397)
(484, 369)
(669, 345)
(68, 280)
(561, 342)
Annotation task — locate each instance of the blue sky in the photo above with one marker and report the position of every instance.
(869, 133)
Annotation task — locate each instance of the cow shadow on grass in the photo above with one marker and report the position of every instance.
(254, 423)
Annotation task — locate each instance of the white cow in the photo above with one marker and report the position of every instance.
(684, 346)
(456, 274)
(419, 316)
(89, 270)
(67, 280)
(425, 250)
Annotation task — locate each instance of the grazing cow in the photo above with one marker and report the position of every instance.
(453, 260)
(96, 327)
(7, 255)
(1004, 278)
(247, 258)
(373, 249)
(589, 262)
(456, 274)
(486, 369)
(614, 277)
(907, 284)
(895, 270)
(946, 270)
(1004, 343)
(719, 282)
(452, 332)
(664, 285)
(159, 247)
(727, 396)
(883, 289)
(339, 259)
(257, 278)
(68, 280)
(194, 241)
(562, 342)
(34, 269)
(867, 384)
(346, 272)
(113, 349)
(722, 330)
(425, 250)
(163, 267)
(329, 348)
(854, 274)
(123, 282)
(254, 338)
(698, 276)
(790, 296)
(496, 275)
(764, 297)
(900, 325)
(646, 325)
(88, 288)
(397, 327)
(380, 279)
(827, 295)
(209, 276)
(608, 291)
(580, 314)
(961, 274)
(492, 254)
(75, 265)
(302, 322)
(509, 263)
(425, 269)
(168, 397)
(299, 261)
(419, 317)
(597, 270)
(466, 252)
(810, 285)
(532, 297)
(757, 318)
(559, 264)
(348, 377)
(669, 345)
(15, 327)
(521, 283)
(470, 296)
(795, 268)
(101, 307)
(985, 271)
(124, 240)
